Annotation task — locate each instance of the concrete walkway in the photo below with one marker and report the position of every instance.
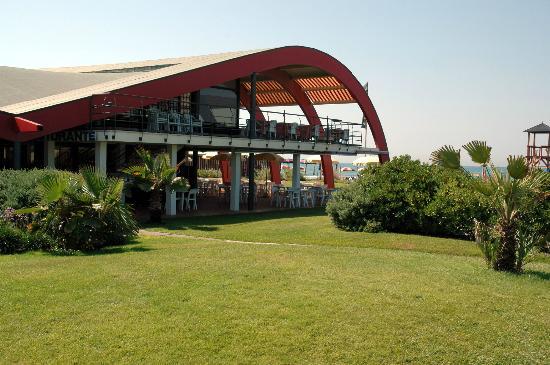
(179, 235)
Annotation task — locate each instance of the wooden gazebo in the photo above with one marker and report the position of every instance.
(538, 155)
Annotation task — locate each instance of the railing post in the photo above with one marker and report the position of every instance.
(252, 132)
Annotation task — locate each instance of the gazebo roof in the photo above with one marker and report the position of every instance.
(540, 128)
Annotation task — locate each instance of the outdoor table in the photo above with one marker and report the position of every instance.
(304, 132)
(286, 130)
(223, 192)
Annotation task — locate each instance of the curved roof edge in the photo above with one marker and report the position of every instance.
(194, 75)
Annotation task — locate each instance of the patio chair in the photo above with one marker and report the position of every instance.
(175, 122)
(160, 122)
(180, 200)
(187, 126)
(191, 199)
(345, 136)
(293, 130)
(272, 129)
(308, 198)
(316, 131)
(323, 195)
(275, 198)
(292, 197)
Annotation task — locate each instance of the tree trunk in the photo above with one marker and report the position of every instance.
(155, 207)
(506, 255)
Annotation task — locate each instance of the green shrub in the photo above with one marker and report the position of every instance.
(287, 175)
(18, 188)
(262, 173)
(407, 196)
(455, 205)
(12, 240)
(16, 240)
(84, 212)
(209, 173)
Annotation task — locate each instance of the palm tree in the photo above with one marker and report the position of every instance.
(510, 194)
(83, 211)
(155, 175)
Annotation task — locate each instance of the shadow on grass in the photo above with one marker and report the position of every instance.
(132, 246)
(118, 249)
(209, 223)
(543, 275)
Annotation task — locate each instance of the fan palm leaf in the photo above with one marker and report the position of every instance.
(517, 167)
(479, 152)
(447, 157)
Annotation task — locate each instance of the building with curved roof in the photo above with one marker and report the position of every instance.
(69, 116)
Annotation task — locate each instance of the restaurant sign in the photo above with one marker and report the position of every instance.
(72, 136)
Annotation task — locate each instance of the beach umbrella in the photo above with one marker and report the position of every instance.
(269, 157)
(266, 156)
(366, 160)
(221, 157)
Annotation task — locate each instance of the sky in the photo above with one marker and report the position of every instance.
(439, 72)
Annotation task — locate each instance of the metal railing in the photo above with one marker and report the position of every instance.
(176, 116)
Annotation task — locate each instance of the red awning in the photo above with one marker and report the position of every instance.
(26, 126)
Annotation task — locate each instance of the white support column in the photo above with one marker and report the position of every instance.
(296, 177)
(49, 154)
(170, 205)
(235, 181)
(101, 157)
(296, 171)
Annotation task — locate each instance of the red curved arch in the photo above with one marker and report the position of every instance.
(309, 111)
(55, 118)
(274, 166)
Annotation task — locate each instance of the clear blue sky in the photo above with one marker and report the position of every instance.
(440, 72)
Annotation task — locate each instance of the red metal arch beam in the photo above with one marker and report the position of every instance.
(55, 118)
(274, 166)
(296, 91)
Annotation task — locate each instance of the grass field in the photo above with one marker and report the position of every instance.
(310, 226)
(338, 299)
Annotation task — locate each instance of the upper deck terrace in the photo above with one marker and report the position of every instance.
(116, 118)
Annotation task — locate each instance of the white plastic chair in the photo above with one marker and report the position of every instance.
(293, 130)
(276, 195)
(272, 129)
(323, 194)
(174, 122)
(191, 198)
(307, 198)
(316, 132)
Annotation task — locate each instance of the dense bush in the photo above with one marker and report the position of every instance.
(454, 205)
(17, 240)
(536, 220)
(209, 173)
(287, 175)
(18, 188)
(84, 212)
(407, 196)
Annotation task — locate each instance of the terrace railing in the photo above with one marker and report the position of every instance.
(128, 112)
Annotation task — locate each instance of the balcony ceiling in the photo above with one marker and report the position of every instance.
(320, 87)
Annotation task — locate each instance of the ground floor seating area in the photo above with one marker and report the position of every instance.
(212, 196)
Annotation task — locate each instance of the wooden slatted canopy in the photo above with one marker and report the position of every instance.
(319, 90)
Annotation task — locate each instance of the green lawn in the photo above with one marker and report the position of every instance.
(309, 226)
(171, 299)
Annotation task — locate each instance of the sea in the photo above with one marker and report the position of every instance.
(348, 170)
